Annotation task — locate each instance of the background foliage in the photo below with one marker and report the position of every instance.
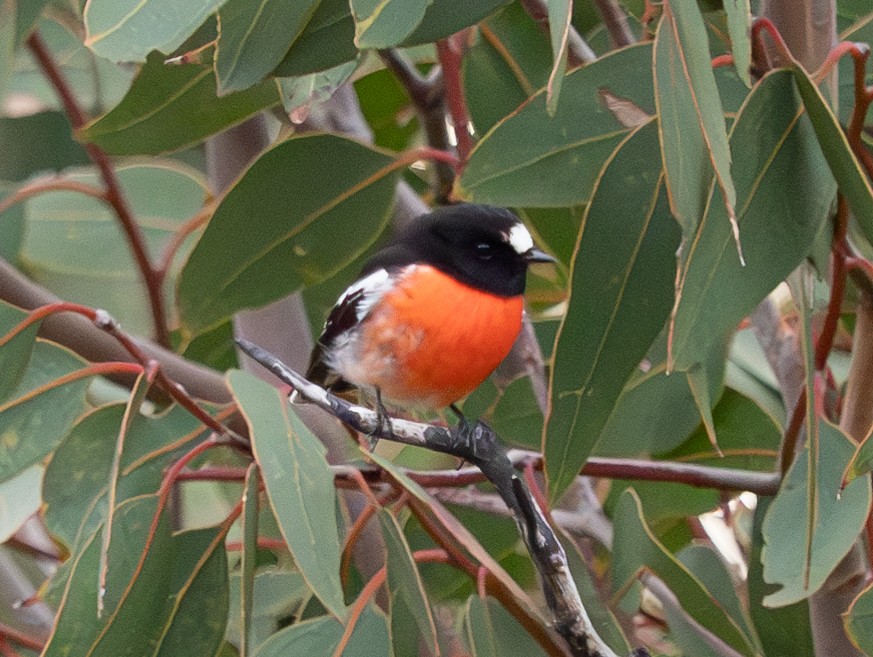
(705, 189)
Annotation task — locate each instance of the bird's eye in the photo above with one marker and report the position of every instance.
(484, 250)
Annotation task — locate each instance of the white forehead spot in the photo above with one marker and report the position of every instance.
(520, 239)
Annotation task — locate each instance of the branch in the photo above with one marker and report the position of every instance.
(578, 51)
(479, 445)
(615, 21)
(114, 194)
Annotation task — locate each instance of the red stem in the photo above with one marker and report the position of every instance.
(22, 639)
(450, 53)
(825, 341)
(114, 194)
(723, 60)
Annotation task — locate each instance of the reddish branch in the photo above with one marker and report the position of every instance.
(114, 194)
(21, 638)
(451, 52)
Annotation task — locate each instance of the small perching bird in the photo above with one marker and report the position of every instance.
(433, 313)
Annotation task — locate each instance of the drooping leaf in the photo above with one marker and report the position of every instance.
(175, 596)
(560, 24)
(784, 192)
(793, 558)
(334, 207)
(409, 605)
(739, 16)
(15, 351)
(491, 632)
(386, 23)
(248, 558)
(532, 160)
(75, 246)
(858, 620)
(691, 118)
(299, 93)
(253, 38)
(128, 30)
(620, 296)
(172, 107)
(853, 182)
(636, 547)
(299, 485)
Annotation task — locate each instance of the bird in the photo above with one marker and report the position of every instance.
(432, 313)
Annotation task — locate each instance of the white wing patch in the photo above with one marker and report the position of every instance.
(372, 287)
(519, 239)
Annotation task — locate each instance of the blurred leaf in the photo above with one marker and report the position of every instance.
(307, 90)
(409, 605)
(76, 481)
(172, 107)
(128, 30)
(320, 637)
(747, 435)
(299, 485)
(19, 499)
(254, 37)
(517, 416)
(386, 23)
(40, 410)
(98, 83)
(556, 229)
(492, 632)
(172, 597)
(14, 354)
(621, 292)
(785, 193)
(739, 16)
(74, 245)
(783, 631)
(326, 41)
(560, 24)
(339, 201)
(37, 143)
(858, 620)
(445, 17)
(27, 13)
(691, 119)
(509, 62)
(852, 181)
(533, 160)
(388, 110)
(278, 595)
(837, 517)
(636, 547)
(8, 39)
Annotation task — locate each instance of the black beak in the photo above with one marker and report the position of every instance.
(535, 255)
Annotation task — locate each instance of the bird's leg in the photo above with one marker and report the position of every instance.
(383, 422)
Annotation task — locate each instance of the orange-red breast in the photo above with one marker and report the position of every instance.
(434, 312)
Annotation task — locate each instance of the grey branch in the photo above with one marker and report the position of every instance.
(478, 444)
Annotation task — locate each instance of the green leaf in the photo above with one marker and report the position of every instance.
(445, 17)
(852, 181)
(858, 620)
(409, 606)
(128, 30)
(253, 38)
(386, 23)
(636, 547)
(300, 93)
(14, 353)
(248, 557)
(838, 519)
(783, 631)
(739, 15)
(39, 411)
(35, 144)
(7, 41)
(492, 632)
(533, 160)
(320, 637)
(278, 595)
(74, 245)
(509, 62)
(299, 485)
(326, 41)
(172, 107)
(560, 24)
(174, 600)
(19, 499)
(620, 295)
(785, 193)
(691, 119)
(76, 482)
(326, 222)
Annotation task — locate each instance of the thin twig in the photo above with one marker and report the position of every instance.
(114, 194)
(615, 21)
(53, 184)
(578, 51)
(450, 52)
(21, 638)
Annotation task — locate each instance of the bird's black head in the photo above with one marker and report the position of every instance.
(483, 246)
